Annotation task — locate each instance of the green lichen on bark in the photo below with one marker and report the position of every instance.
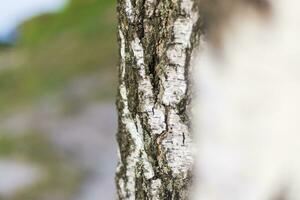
(156, 40)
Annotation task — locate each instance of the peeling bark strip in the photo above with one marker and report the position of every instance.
(156, 38)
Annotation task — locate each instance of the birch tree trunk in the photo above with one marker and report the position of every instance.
(249, 94)
(156, 40)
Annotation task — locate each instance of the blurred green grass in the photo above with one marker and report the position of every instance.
(60, 178)
(52, 52)
(54, 49)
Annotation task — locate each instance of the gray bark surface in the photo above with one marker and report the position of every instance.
(156, 39)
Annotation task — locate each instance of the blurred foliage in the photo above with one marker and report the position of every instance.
(60, 177)
(52, 52)
(55, 48)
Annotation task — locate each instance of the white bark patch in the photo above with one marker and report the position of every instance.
(183, 28)
(122, 187)
(174, 85)
(157, 120)
(138, 52)
(122, 53)
(155, 185)
(144, 86)
(177, 55)
(129, 10)
(186, 6)
(145, 90)
(177, 144)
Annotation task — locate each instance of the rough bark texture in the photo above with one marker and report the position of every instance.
(156, 39)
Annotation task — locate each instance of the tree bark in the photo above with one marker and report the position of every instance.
(156, 39)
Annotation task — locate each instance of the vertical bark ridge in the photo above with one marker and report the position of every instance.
(156, 39)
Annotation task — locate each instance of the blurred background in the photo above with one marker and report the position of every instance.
(57, 87)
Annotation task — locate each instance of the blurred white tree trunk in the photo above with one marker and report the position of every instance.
(248, 119)
(156, 39)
